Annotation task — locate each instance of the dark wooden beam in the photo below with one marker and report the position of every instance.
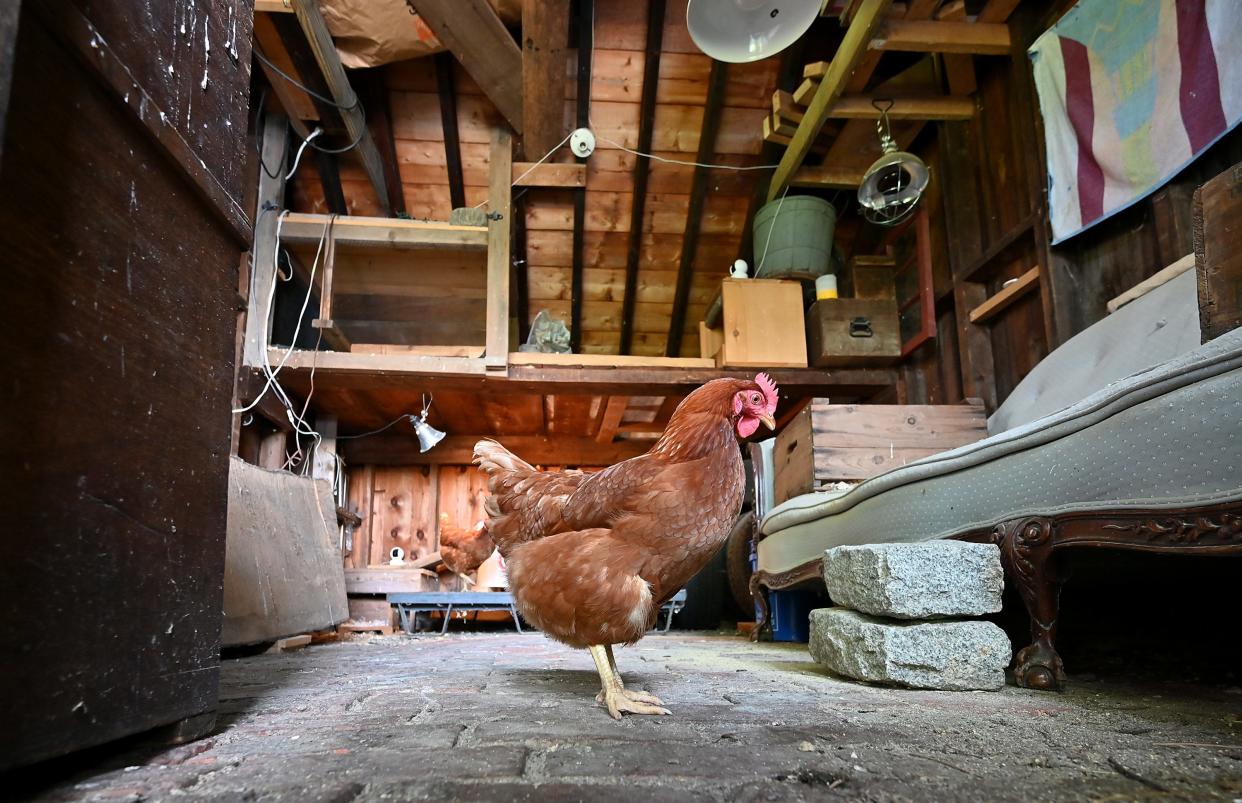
(586, 43)
(698, 190)
(400, 449)
(642, 168)
(545, 37)
(520, 282)
(480, 41)
(330, 179)
(374, 93)
(448, 120)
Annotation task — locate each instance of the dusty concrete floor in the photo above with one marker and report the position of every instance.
(509, 717)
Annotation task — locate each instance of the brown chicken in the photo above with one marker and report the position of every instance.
(463, 551)
(592, 557)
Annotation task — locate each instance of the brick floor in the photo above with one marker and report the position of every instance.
(513, 717)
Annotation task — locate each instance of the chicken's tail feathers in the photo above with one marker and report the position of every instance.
(497, 460)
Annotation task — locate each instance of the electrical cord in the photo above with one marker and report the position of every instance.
(321, 98)
(402, 417)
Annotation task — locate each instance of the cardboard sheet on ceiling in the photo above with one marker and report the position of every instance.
(369, 33)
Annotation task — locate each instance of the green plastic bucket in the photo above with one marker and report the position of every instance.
(801, 228)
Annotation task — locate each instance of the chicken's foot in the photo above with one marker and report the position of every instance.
(613, 695)
(636, 696)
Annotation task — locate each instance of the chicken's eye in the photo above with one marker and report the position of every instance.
(754, 398)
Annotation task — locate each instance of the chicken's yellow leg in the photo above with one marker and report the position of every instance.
(637, 696)
(613, 694)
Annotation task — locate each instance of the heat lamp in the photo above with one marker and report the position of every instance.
(739, 31)
(892, 186)
(428, 436)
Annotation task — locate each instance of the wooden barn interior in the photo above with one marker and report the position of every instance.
(277, 266)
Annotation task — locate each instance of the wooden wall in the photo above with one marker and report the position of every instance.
(118, 344)
(401, 506)
(988, 190)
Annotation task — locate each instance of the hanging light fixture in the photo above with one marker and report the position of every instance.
(739, 31)
(428, 436)
(892, 186)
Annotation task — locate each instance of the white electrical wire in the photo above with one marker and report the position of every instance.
(771, 228)
(667, 160)
(298, 157)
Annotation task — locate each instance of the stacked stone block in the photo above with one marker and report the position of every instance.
(907, 615)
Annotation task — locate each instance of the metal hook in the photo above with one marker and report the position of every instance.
(882, 127)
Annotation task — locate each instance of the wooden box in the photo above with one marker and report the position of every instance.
(709, 341)
(763, 324)
(850, 442)
(870, 277)
(845, 332)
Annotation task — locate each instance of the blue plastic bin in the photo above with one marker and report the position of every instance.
(791, 614)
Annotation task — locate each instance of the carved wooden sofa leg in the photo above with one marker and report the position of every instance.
(1029, 548)
(1027, 553)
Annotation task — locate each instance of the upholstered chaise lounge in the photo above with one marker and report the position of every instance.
(1128, 436)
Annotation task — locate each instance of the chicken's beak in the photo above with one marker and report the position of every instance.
(768, 419)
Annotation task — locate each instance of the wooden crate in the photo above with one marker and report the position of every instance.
(870, 277)
(837, 333)
(763, 324)
(835, 442)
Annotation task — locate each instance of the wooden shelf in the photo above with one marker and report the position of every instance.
(1026, 283)
(379, 232)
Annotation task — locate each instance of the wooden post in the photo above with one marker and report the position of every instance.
(545, 36)
(272, 451)
(497, 353)
(316, 31)
(270, 202)
(448, 122)
(323, 467)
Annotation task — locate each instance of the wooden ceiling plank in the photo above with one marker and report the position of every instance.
(320, 40)
(480, 41)
(866, 22)
(549, 174)
(922, 36)
(642, 168)
(545, 36)
(698, 191)
(374, 93)
(448, 123)
(330, 179)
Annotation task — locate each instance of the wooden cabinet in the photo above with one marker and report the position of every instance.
(763, 324)
(120, 220)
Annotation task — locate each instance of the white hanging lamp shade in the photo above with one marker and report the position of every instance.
(739, 31)
(892, 186)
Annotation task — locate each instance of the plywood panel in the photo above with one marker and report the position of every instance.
(404, 513)
(282, 572)
(463, 490)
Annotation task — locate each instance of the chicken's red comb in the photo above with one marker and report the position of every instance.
(768, 387)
